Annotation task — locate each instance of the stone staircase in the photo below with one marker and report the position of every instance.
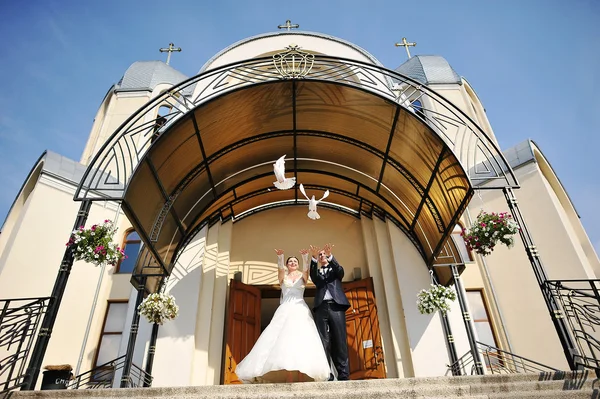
(506, 386)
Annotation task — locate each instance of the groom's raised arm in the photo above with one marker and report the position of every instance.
(314, 272)
(338, 270)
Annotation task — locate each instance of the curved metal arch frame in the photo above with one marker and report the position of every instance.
(170, 197)
(375, 208)
(348, 68)
(108, 173)
(422, 190)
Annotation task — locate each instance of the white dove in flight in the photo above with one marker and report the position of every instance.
(282, 182)
(312, 203)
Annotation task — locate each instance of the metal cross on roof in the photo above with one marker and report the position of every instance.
(406, 44)
(288, 25)
(169, 51)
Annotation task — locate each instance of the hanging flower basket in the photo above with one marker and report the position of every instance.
(158, 308)
(94, 245)
(436, 298)
(489, 229)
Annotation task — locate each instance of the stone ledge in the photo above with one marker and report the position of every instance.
(554, 385)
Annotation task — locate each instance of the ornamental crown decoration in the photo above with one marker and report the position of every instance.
(293, 63)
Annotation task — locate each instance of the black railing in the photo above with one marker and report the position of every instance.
(19, 324)
(580, 303)
(104, 375)
(498, 361)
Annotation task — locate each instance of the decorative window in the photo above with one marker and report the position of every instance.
(161, 119)
(131, 245)
(465, 254)
(110, 339)
(418, 107)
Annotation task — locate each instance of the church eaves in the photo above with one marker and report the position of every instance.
(429, 69)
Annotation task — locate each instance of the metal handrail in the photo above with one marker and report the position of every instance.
(579, 300)
(499, 361)
(19, 324)
(103, 376)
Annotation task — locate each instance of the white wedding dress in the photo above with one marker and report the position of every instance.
(289, 343)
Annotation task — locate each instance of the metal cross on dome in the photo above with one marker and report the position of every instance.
(288, 26)
(169, 50)
(406, 45)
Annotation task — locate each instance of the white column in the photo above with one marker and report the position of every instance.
(174, 358)
(392, 355)
(205, 309)
(425, 333)
(395, 306)
(217, 325)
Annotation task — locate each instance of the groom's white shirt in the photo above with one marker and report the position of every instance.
(323, 270)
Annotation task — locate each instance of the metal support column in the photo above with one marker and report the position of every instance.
(556, 313)
(450, 343)
(133, 334)
(150, 356)
(462, 301)
(60, 284)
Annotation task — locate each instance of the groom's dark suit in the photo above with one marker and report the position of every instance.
(330, 313)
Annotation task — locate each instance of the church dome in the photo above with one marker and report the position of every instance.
(146, 75)
(295, 37)
(429, 69)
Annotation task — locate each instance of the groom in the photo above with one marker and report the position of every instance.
(330, 307)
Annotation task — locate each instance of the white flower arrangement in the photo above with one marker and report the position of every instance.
(158, 308)
(434, 299)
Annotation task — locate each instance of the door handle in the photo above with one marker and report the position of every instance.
(230, 364)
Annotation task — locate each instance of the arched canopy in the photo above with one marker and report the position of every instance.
(357, 138)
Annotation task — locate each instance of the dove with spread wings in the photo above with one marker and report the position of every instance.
(312, 203)
(282, 182)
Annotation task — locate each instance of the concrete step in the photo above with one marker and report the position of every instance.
(555, 385)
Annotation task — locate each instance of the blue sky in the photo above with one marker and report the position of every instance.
(534, 64)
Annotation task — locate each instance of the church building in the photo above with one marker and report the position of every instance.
(184, 167)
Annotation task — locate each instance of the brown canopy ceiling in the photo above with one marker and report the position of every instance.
(216, 162)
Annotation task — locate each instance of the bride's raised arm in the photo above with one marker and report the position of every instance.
(305, 264)
(280, 265)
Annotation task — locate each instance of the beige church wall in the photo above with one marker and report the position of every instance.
(99, 119)
(569, 216)
(35, 266)
(122, 106)
(527, 321)
(471, 276)
(254, 239)
(15, 213)
(477, 110)
(425, 333)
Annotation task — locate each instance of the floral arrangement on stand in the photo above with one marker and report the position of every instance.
(436, 298)
(158, 308)
(488, 229)
(94, 245)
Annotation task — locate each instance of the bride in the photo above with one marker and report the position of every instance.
(290, 344)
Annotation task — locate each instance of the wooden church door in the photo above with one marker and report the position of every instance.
(243, 326)
(365, 352)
